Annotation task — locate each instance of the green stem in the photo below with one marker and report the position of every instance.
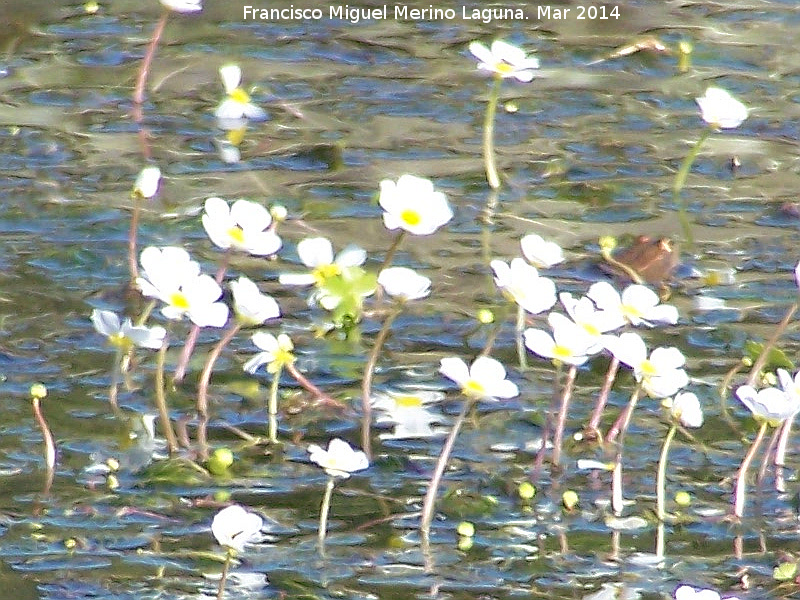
(161, 402)
(438, 472)
(272, 407)
(224, 576)
(520, 329)
(680, 180)
(740, 485)
(662, 473)
(366, 384)
(387, 260)
(488, 135)
(323, 513)
(116, 372)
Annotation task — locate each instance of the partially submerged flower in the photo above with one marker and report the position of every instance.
(687, 592)
(317, 254)
(147, 182)
(243, 226)
(521, 283)
(404, 283)
(505, 60)
(183, 6)
(250, 305)
(539, 252)
(485, 379)
(412, 204)
(237, 103)
(233, 527)
(340, 459)
(685, 407)
(770, 404)
(125, 334)
(719, 109)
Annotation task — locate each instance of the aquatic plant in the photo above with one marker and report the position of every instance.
(485, 379)
(234, 527)
(339, 461)
(503, 60)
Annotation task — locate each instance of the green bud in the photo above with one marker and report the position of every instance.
(466, 529)
(569, 499)
(526, 490)
(683, 499)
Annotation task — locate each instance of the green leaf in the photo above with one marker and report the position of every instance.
(784, 571)
(776, 358)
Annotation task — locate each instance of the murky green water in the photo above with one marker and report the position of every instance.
(591, 150)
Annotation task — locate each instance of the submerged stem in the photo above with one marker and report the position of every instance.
(366, 384)
(739, 488)
(323, 513)
(272, 407)
(161, 402)
(662, 473)
(488, 135)
(680, 180)
(438, 472)
(205, 376)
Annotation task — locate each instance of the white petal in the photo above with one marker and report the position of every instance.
(231, 77)
(454, 368)
(315, 252)
(105, 322)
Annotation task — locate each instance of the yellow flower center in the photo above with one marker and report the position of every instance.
(647, 368)
(236, 234)
(118, 340)
(561, 352)
(474, 389)
(179, 300)
(324, 272)
(282, 358)
(591, 329)
(408, 401)
(504, 68)
(240, 96)
(631, 311)
(411, 217)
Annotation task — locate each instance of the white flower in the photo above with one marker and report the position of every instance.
(277, 352)
(339, 460)
(317, 254)
(789, 385)
(233, 527)
(687, 592)
(569, 344)
(770, 404)
(243, 226)
(413, 205)
(172, 277)
(661, 374)
(147, 182)
(404, 283)
(408, 412)
(484, 380)
(505, 60)
(251, 306)
(593, 322)
(719, 109)
(237, 104)
(638, 304)
(540, 253)
(125, 334)
(521, 283)
(183, 6)
(685, 407)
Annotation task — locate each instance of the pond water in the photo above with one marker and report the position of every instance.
(590, 148)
